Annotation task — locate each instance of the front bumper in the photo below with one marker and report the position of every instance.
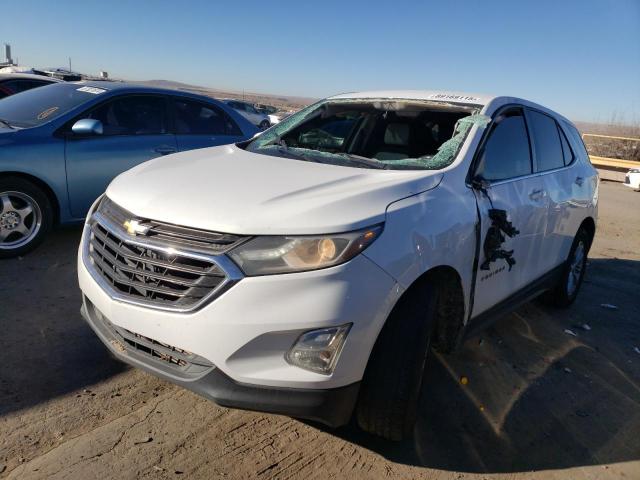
(332, 407)
(239, 339)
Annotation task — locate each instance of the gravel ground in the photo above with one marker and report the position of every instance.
(539, 402)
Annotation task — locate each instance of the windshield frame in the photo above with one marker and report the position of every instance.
(452, 146)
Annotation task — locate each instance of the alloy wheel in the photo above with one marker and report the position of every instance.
(20, 219)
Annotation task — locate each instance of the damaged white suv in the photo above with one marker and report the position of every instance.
(309, 271)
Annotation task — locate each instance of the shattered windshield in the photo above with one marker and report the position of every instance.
(383, 134)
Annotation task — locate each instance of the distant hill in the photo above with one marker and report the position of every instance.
(281, 101)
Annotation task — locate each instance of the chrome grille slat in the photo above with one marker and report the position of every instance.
(142, 285)
(151, 271)
(199, 281)
(158, 263)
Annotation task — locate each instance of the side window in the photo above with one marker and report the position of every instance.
(134, 115)
(18, 86)
(546, 139)
(15, 86)
(577, 139)
(195, 118)
(567, 153)
(506, 154)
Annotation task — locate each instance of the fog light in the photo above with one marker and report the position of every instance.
(318, 350)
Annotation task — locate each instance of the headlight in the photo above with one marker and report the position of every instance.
(270, 255)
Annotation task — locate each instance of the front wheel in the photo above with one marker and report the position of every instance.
(25, 216)
(264, 125)
(389, 394)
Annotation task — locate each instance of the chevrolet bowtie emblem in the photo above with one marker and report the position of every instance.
(134, 227)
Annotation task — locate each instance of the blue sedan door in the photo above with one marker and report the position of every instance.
(199, 125)
(135, 129)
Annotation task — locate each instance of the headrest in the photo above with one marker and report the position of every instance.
(397, 134)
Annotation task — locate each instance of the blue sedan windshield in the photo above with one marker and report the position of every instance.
(39, 105)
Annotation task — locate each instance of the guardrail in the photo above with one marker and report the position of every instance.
(612, 163)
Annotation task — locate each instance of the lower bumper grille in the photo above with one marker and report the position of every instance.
(166, 357)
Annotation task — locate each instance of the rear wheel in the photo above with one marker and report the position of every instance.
(264, 125)
(25, 216)
(388, 399)
(566, 291)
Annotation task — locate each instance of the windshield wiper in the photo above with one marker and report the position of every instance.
(369, 162)
(4, 122)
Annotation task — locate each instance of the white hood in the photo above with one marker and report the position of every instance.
(227, 189)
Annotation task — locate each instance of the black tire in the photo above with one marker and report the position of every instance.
(264, 125)
(568, 287)
(390, 390)
(38, 222)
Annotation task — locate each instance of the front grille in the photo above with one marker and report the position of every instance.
(191, 238)
(152, 271)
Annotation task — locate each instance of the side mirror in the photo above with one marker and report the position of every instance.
(87, 126)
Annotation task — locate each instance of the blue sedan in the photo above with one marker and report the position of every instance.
(61, 145)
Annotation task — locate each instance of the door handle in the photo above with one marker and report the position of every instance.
(164, 150)
(536, 194)
(579, 181)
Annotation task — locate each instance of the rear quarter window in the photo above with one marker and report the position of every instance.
(578, 144)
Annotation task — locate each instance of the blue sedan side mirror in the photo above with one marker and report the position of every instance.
(87, 126)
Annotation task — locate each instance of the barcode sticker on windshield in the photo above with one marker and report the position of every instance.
(93, 90)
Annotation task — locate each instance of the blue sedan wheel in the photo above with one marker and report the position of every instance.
(25, 216)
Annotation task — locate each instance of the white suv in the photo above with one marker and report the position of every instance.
(310, 270)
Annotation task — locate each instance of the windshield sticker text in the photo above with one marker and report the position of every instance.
(460, 98)
(93, 90)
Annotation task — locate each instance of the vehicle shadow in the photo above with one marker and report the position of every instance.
(47, 349)
(536, 397)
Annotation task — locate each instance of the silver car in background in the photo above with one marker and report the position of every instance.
(248, 111)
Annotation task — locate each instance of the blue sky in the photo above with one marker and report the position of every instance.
(579, 57)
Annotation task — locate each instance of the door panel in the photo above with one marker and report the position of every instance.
(570, 195)
(200, 125)
(512, 205)
(93, 162)
(525, 209)
(135, 130)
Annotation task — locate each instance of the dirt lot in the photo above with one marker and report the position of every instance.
(540, 403)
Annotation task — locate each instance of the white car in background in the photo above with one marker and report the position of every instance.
(310, 271)
(248, 111)
(632, 179)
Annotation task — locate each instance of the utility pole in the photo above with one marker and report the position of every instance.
(70, 64)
